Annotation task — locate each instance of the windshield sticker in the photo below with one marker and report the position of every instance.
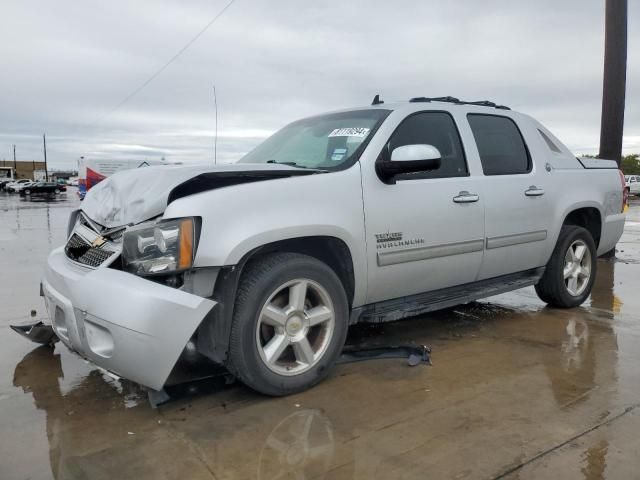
(338, 154)
(350, 132)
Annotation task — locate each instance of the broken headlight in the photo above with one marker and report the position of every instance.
(165, 247)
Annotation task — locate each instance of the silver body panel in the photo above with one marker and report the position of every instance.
(130, 326)
(404, 239)
(132, 196)
(425, 253)
(238, 219)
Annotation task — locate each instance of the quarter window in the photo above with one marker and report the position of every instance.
(432, 128)
(500, 145)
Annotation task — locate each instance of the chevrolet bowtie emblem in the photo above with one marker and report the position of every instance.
(98, 242)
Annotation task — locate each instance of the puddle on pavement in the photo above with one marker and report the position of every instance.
(511, 379)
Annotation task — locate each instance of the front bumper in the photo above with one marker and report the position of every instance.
(130, 326)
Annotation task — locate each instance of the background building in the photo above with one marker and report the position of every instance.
(24, 169)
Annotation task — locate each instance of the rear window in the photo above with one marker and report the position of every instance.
(500, 145)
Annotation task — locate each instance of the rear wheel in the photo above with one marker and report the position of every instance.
(571, 271)
(289, 325)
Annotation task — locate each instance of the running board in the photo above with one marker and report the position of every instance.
(403, 307)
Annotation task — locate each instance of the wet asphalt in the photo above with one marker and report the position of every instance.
(517, 390)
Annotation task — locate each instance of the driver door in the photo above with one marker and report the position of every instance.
(426, 231)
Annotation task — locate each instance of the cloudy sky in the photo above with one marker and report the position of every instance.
(67, 64)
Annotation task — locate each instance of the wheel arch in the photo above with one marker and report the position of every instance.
(330, 250)
(214, 333)
(587, 214)
(588, 217)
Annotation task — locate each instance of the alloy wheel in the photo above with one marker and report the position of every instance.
(577, 268)
(295, 327)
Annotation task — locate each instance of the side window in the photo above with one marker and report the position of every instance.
(437, 129)
(500, 145)
(552, 146)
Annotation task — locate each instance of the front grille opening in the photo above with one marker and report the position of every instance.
(78, 250)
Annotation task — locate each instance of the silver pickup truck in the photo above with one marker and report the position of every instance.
(363, 215)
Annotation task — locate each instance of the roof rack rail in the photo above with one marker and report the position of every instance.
(435, 99)
(448, 99)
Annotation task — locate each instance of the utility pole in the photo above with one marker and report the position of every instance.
(15, 164)
(614, 81)
(46, 171)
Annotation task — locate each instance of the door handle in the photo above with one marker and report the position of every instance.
(466, 197)
(534, 191)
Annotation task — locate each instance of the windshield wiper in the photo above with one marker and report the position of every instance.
(293, 164)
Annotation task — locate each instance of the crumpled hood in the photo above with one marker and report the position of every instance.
(133, 196)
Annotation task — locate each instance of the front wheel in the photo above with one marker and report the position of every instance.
(289, 324)
(571, 271)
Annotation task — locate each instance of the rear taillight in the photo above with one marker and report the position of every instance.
(625, 192)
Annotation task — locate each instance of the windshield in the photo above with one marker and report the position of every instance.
(325, 142)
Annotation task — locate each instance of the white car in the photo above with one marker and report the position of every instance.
(15, 187)
(633, 184)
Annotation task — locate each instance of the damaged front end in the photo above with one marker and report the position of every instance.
(133, 325)
(37, 332)
(123, 292)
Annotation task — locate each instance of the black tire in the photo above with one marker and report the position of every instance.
(27, 192)
(552, 288)
(56, 191)
(259, 281)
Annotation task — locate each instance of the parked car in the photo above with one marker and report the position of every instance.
(633, 184)
(15, 187)
(4, 183)
(42, 188)
(366, 215)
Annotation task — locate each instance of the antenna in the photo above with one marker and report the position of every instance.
(215, 138)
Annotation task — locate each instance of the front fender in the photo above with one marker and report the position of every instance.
(241, 218)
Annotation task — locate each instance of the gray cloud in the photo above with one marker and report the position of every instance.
(66, 64)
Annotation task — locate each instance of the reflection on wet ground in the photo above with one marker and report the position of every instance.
(517, 391)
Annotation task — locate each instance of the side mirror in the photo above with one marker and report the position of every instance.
(409, 159)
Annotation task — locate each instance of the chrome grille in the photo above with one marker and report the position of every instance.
(79, 250)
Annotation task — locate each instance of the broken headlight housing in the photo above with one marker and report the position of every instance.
(163, 248)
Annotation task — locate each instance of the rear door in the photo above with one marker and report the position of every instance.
(517, 209)
(426, 231)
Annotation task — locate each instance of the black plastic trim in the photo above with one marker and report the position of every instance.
(457, 101)
(214, 180)
(412, 305)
